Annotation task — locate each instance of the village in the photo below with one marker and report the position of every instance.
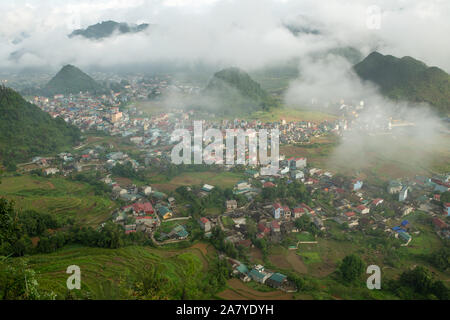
(297, 205)
(325, 203)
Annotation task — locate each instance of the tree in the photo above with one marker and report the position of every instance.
(445, 197)
(351, 268)
(9, 227)
(19, 282)
(303, 222)
(441, 259)
(418, 283)
(251, 227)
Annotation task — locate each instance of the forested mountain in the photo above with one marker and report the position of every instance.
(70, 79)
(106, 29)
(407, 79)
(27, 131)
(238, 92)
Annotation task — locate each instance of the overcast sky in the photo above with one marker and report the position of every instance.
(244, 33)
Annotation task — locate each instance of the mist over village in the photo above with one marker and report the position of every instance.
(224, 150)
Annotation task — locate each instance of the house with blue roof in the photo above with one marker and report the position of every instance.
(242, 268)
(180, 232)
(258, 276)
(276, 280)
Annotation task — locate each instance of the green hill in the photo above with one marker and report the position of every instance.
(27, 131)
(407, 79)
(69, 80)
(236, 92)
(106, 28)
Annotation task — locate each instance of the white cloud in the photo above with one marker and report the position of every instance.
(246, 33)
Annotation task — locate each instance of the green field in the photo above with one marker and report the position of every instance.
(227, 222)
(310, 257)
(220, 179)
(304, 236)
(57, 196)
(167, 226)
(290, 114)
(106, 273)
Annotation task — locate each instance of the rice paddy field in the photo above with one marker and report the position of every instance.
(58, 196)
(107, 273)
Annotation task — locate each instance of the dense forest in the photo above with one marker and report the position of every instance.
(407, 79)
(71, 80)
(233, 91)
(31, 131)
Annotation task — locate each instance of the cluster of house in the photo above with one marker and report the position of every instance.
(352, 205)
(261, 275)
(139, 216)
(66, 163)
(442, 228)
(179, 232)
(146, 215)
(403, 231)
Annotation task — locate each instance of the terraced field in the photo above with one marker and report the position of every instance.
(238, 290)
(58, 196)
(106, 273)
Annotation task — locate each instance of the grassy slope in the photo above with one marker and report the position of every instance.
(105, 273)
(57, 196)
(30, 130)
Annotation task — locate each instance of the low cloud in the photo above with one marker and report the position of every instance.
(249, 34)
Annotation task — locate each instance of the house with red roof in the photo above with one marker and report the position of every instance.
(298, 212)
(307, 209)
(268, 184)
(377, 201)
(350, 214)
(439, 224)
(205, 224)
(263, 228)
(275, 226)
(362, 209)
(145, 208)
(440, 185)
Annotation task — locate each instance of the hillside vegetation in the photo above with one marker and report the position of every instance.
(233, 91)
(407, 79)
(71, 80)
(27, 131)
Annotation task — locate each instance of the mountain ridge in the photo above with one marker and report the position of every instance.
(408, 79)
(105, 29)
